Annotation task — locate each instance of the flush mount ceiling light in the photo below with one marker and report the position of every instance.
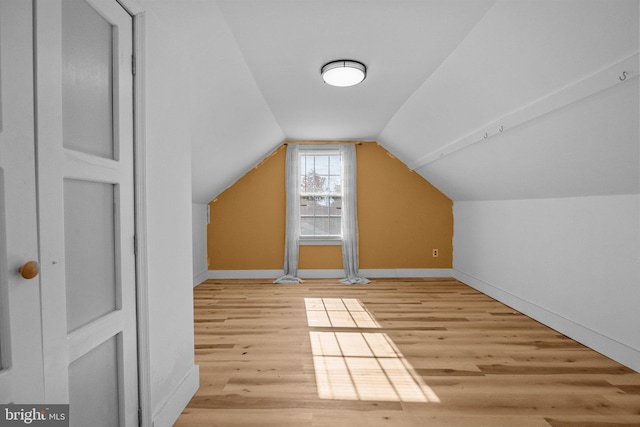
(343, 73)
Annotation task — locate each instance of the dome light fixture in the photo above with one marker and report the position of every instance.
(343, 73)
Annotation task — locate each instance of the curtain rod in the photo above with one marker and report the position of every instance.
(323, 142)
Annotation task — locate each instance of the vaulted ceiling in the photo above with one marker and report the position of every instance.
(485, 99)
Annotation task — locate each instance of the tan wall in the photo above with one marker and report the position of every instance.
(247, 223)
(401, 219)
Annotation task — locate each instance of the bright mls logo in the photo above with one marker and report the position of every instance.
(34, 415)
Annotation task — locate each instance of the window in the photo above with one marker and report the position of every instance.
(320, 195)
(321, 206)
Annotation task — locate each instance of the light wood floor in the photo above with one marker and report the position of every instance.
(489, 365)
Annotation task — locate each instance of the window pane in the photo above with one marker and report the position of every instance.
(336, 206)
(322, 165)
(335, 184)
(322, 226)
(313, 205)
(306, 226)
(334, 163)
(306, 205)
(306, 164)
(335, 225)
(303, 184)
(323, 205)
(312, 183)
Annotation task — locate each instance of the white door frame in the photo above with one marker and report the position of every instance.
(135, 9)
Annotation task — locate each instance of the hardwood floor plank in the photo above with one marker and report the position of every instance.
(586, 422)
(630, 389)
(408, 419)
(244, 418)
(480, 363)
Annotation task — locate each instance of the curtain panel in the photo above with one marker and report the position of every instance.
(349, 217)
(292, 237)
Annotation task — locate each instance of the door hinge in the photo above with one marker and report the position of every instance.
(139, 416)
(133, 65)
(135, 245)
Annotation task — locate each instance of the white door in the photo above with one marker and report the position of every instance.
(84, 125)
(21, 378)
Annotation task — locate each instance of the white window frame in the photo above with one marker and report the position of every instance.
(326, 240)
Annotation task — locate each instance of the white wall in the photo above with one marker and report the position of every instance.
(571, 263)
(200, 216)
(174, 377)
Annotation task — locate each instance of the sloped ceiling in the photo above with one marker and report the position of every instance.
(440, 72)
(518, 55)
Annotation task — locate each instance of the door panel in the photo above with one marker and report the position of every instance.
(85, 176)
(93, 385)
(87, 89)
(21, 366)
(90, 256)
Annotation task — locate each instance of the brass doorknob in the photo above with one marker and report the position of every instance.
(29, 270)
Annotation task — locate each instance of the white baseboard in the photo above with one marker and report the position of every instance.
(330, 273)
(200, 277)
(178, 400)
(244, 274)
(407, 272)
(615, 350)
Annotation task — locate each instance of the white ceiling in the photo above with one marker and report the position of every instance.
(438, 71)
(285, 43)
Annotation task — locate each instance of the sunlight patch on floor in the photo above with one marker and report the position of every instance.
(338, 313)
(359, 365)
(365, 366)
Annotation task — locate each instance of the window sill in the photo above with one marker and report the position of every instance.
(320, 242)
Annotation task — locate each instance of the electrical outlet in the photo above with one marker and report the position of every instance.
(435, 253)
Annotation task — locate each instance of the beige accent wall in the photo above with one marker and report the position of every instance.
(401, 219)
